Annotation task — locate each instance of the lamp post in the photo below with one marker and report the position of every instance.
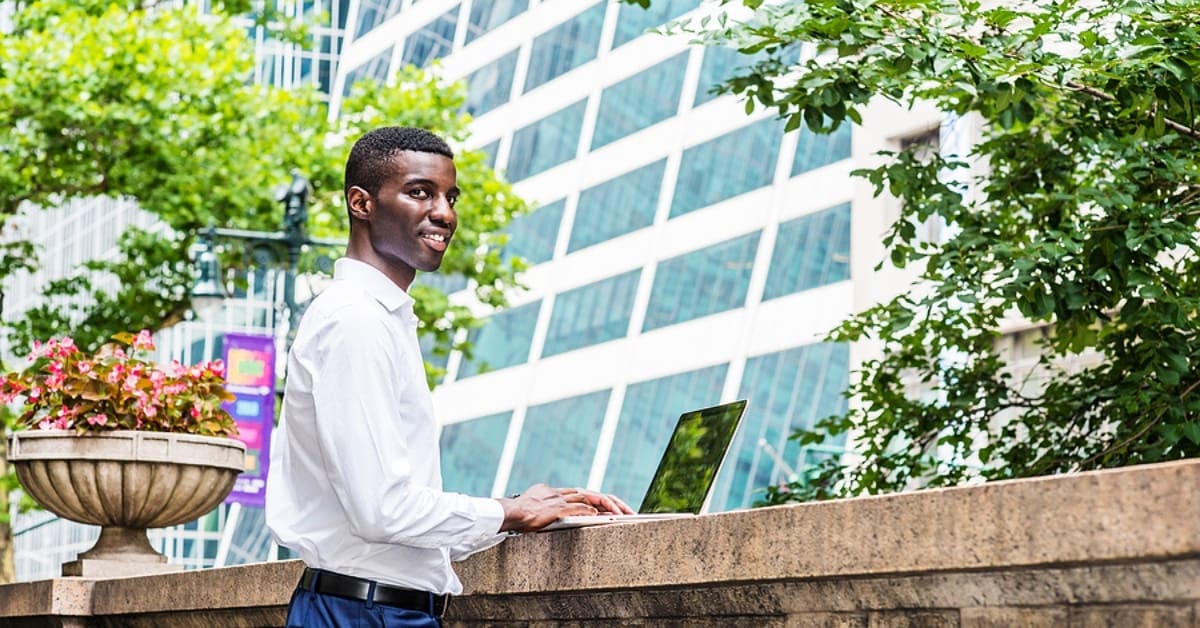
(279, 249)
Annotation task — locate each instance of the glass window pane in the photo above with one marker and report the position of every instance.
(640, 101)
(648, 416)
(533, 235)
(703, 282)
(616, 207)
(814, 150)
(706, 175)
(372, 13)
(633, 21)
(471, 454)
(491, 151)
(486, 15)
(810, 251)
(503, 341)
(376, 69)
(722, 64)
(787, 390)
(546, 143)
(491, 86)
(433, 41)
(565, 47)
(592, 314)
(558, 442)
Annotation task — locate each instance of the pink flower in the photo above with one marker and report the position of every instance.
(217, 367)
(55, 381)
(123, 387)
(143, 341)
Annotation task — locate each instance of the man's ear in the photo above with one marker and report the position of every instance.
(359, 203)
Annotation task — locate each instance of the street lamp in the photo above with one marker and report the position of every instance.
(269, 248)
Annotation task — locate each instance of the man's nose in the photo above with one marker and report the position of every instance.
(443, 212)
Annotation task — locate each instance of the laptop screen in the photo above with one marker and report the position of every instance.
(694, 454)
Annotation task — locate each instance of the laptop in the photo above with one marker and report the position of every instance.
(685, 475)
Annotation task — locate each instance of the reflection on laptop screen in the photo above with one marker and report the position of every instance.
(692, 458)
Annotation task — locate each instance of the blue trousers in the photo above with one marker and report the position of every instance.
(315, 610)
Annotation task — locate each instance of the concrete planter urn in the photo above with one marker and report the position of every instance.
(125, 482)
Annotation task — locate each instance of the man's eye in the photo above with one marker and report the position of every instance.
(453, 200)
(419, 194)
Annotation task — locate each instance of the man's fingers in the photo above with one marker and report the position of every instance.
(580, 509)
(621, 506)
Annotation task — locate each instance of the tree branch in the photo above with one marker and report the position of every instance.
(1101, 95)
(1136, 435)
(1071, 85)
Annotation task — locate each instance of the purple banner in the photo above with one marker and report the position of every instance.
(250, 376)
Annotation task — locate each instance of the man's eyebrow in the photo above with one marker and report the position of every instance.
(432, 183)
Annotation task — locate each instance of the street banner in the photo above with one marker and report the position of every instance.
(250, 376)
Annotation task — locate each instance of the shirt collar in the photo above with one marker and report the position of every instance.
(374, 282)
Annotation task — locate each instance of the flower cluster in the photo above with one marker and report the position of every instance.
(118, 388)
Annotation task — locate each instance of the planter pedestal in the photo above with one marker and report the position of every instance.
(125, 482)
(119, 552)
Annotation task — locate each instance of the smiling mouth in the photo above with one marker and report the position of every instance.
(436, 241)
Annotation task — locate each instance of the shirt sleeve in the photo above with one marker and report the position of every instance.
(465, 550)
(359, 373)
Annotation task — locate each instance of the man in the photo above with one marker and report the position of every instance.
(355, 483)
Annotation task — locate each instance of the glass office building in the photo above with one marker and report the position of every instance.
(683, 253)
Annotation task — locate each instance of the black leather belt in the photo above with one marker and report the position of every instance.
(330, 583)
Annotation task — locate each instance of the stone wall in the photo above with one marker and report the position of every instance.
(1114, 548)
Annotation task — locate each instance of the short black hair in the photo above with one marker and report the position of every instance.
(369, 161)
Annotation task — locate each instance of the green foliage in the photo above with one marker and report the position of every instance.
(1083, 220)
(156, 105)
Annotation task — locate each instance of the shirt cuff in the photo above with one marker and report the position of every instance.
(490, 516)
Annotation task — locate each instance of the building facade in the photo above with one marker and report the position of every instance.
(683, 252)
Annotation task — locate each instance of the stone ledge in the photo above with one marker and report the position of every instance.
(68, 597)
(1096, 517)
(1112, 545)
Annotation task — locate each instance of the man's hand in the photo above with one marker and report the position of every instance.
(542, 505)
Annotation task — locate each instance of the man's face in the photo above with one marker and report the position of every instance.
(413, 218)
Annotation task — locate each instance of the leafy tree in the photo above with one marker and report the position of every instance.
(1084, 220)
(153, 102)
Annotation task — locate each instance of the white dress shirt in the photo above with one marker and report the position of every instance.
(355, 483)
